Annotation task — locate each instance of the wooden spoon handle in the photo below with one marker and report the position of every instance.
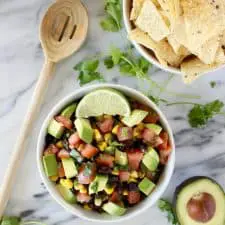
(20, 146)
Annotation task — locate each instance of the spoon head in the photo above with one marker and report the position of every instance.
(63, 29)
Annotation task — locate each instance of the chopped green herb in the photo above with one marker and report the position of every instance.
(113, 19)
(88, 71)
(88, 169)
(213, 84)
(165, 206)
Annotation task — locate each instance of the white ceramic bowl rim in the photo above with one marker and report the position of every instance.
(89, 215)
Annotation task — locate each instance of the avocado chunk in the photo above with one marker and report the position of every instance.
(113, 209)
(146, 186)
(135, 118)
(50, 165)
(69, 168)
(69, 110)
(121, 158)
(151, 159)
(200, 200)
(67, 194)
(55, 129)
(98, 184)
(84, 130)
(10, 220)
(156, 128)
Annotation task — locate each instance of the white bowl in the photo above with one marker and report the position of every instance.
(93, 216)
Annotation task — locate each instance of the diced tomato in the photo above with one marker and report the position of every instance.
(86, 175)
(124, 176)
(150, 137)
(165, 138)
(106, 125)
(134, 158)
(124, 133)
(83, 198)
(67, 123)
(164, 156)
(51, 149)
(63, 154)
(105, 160)
(89, 151)
(115, 197)
(134, 197)
(61, 172)
(74, 140)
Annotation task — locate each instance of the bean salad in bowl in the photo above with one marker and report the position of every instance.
(105, 152)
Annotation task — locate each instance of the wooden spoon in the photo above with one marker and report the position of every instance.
(62, 32)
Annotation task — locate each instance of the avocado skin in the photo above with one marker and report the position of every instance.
(187, 182)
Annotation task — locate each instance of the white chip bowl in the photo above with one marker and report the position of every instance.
(90, 215)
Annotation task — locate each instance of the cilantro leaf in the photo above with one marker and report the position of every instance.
(88, 169)
(108, 62)
(213, 84)
(88, 71)
(112, 22)
(165, 206)
(199, 115)
(116, 55)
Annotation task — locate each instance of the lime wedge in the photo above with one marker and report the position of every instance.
(103, 101)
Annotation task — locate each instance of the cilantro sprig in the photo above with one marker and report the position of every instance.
(88, 71)
(200, 114)
(167, 207)
(7, 220)
(113, 19)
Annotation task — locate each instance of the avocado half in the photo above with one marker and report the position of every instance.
(200, 201)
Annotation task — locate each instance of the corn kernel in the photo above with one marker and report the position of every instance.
(102, 145)
(86, 207)
(79, 187)
(59, 144)
(67, 183)
(115, 129)
(109, 189)
(54, 178)
(134, 174)
(141, 174)
(115, 172)
(132, 180)
(97, 135)
(108, 137)
(136, 132)
(83, 190)
(141, 126)
(125, 192)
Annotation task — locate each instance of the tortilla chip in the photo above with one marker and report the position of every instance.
(156, 3)
(193, 68)
(207, 52)
(220, 56)
(163, 51)
(137, 5)
(203, 20)
(174, 43)
(150, 21)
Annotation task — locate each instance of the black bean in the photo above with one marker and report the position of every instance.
(132, 186)
(104, 170)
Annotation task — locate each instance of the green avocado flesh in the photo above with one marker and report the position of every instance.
(135, 118)
(98, 184)
(113, 209)
(69, 168)
(146, 186)
(151, 159)
(66, 194)
(121, 158)
(55, 129)
(50, 165)
(191, 195)
(84, 130)
(10, 220)
(156, 128)
(69, 110)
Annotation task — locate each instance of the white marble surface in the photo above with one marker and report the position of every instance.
(199, 152)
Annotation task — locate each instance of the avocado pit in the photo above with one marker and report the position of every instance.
(201, 207)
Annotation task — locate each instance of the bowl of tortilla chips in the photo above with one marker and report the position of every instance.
(179, 36)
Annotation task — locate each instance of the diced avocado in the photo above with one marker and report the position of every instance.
(55, 129)
(67, 194)
(156, 128)
(135, 118)
(98, 201)
(121, 158)
(113, 209)
(50, 165)
(76, 155)
(10, 220)
(98, 184)
(151, 159)
(146, 186)
(69, 110)
(84, 130)
(69, 168)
